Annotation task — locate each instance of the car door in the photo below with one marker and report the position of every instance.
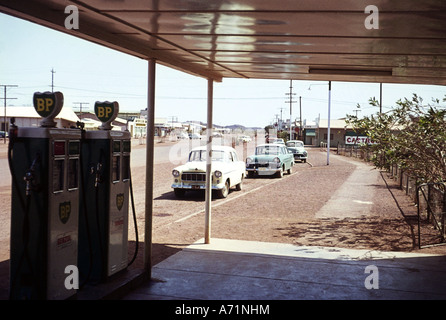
(288, 158)
(238, 167)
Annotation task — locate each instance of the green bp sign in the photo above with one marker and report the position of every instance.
(106, 113)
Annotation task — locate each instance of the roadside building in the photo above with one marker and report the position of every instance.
(310, 132)
(138, 127)
(28, 117)
(338, 130)
(91, 122)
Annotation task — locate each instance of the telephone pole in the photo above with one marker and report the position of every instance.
(5, 86)
(300, 118)
(291, 101)
(80, 108)
(281, 119)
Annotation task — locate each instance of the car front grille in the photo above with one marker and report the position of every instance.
(196, 177)
(259, 165)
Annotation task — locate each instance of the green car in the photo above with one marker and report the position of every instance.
(270, 159)
(298, 150)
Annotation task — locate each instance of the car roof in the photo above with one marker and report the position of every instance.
(215, 148)
(295, 141)
(271, 144)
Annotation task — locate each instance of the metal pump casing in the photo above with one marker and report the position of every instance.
(44, 163)
(103, 229)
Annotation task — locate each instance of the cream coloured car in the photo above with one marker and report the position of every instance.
(227, 171)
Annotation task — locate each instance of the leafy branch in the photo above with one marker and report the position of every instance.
(412, 135)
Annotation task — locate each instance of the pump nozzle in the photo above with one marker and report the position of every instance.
(30, 177)
(98, 175)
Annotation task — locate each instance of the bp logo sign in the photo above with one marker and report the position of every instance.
(64, 211)
(119, 201)
(106, 113)
(48, 104)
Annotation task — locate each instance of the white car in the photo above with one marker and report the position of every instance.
(227, 171)
(244, 139)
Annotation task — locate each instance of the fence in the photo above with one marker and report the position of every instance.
(354, 151)
(432, 209)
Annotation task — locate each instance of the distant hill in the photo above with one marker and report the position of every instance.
(234, 127)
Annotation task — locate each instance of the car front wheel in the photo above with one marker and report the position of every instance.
(223, 193)
(279, 173)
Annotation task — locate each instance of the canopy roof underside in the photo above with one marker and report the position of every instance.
(264, 39)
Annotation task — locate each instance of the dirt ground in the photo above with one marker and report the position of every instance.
(267, 209)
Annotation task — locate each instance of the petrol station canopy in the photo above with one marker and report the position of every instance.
(264, 39)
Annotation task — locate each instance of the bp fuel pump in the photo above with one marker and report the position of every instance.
(44, 163)
(103, 219)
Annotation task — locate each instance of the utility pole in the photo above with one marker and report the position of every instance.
(277, 121)
(5, 86)
(80, 108)
(281, 118)
(380, 97)
(291, 104)
(300, 118)
(52, 79)
(328, 127)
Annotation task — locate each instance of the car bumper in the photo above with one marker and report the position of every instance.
(299, 156)
(201, 186)
(263, 170)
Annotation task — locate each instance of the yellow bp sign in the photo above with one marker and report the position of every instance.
(64, 211)
(119, 201)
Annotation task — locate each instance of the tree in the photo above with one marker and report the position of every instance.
(412, 135)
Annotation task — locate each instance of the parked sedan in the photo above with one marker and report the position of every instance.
(278, 141)
(227, 171)
(298, 150)
(270, 159)
(244, 139)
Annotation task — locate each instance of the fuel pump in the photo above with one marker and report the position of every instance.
(103, 219)
(44, 163)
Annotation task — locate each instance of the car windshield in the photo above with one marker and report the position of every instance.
(294, 144)
(200, 155)
(267, 150)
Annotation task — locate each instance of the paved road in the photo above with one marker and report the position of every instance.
(166, 156)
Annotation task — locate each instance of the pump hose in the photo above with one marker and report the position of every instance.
(85, 214)
(25, 227)
(134, 219)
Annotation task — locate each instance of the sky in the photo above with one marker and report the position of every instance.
(86, 72)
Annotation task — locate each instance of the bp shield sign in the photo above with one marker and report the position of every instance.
(106, 113)
(48, 105)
